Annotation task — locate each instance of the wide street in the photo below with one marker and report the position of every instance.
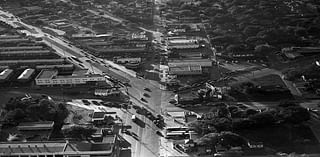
(148, 143)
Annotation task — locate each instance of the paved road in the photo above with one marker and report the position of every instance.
(148, 145)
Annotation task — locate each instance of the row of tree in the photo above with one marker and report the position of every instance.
(232, 118)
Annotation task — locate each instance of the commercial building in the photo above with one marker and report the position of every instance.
(187, 98)
(107, 148)
(185, 70)
(107, 92)
(34, 131)
(32, 62)
(17, 48)
(99, 118)
(183, 44)
(190, 62)
(5, 75)
(127, 60)
(50, 77)
(26, 75)
(63, 67)
(25, 53)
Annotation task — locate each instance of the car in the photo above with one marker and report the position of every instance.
(147, 89)
(144, 100)
(136, 107)
(146, 95)
(127, 132)
(172, 101)
(96, 103)
(159, 133)
(125, 127)
(86, 102)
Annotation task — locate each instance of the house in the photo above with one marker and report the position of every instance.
(190, 117)
(99, 118)
(217, 89)
(188, 145)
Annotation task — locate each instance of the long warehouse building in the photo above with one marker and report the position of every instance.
(190, 62)
(32, 62)
(16, 48)
(52, 77)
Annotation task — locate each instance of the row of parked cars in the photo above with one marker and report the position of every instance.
(158, 120)
(107, 104)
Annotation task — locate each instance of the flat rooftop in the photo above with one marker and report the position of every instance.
(25, 52)
(185, 68)
(5, 73)
(36, 125)
(26, 74)
(190, 60)
(47, 74)
(56, 147)
(32, 61)
(21, 48)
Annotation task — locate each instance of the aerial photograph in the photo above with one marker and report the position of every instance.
(159, 78)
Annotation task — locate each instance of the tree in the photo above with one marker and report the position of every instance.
(263, 48)
(294, 114)
(78, 131)
(241, 123)
(229, 139)
(202, 127)
(210, 140)
(263, 119)
(14, 116)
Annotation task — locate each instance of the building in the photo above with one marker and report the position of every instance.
(183, 44)
(217, 89)
(107, 92)
(107, 148)
(185, 70)
(36, 130)
(5, 75)
(51, 77)
(32, 62)
(187, 98)
(127, 60)
(190, 62)
(60, 67)
(294, 52)
(102, 117)
(26, 75)
(17, 48)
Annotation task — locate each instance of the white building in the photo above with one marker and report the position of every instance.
(5, 74)
(127, 60)
(51, 77)
(190, 62)
(26, 75)
(107, 92)
(183, 44)
(185, 70)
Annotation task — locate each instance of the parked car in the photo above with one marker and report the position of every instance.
(147, 89)
(86, 102)
(159, 133)
(146, 95)
(96, 103)
(144, 100)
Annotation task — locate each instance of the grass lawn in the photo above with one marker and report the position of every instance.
(270, 80)
(285, 138)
